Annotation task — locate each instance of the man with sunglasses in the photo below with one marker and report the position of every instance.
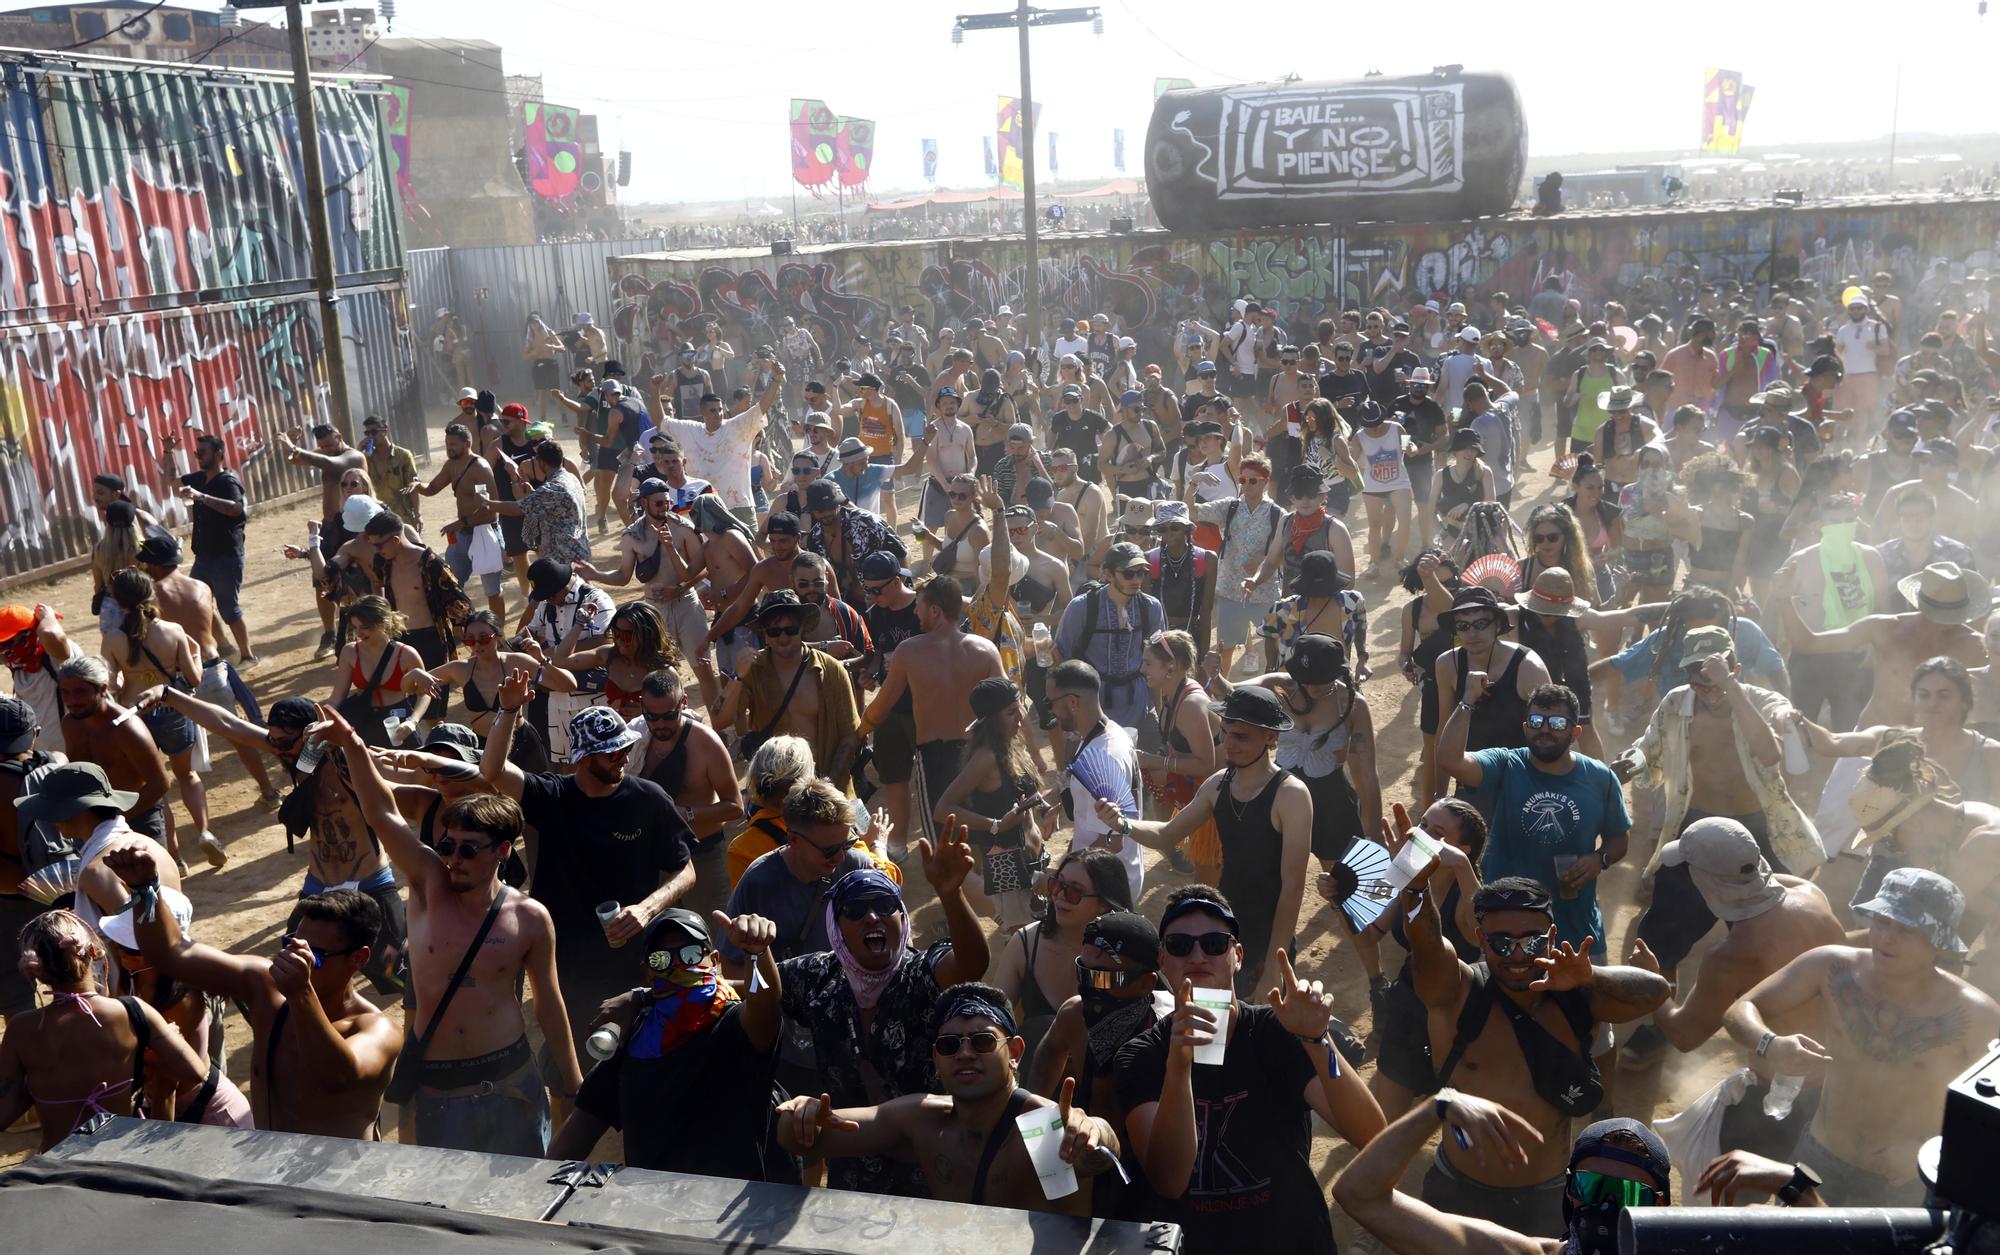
(693, 1055)
(1614, 1165)
(1227, 1148)
(1526, 1023)
(965, 1140)
(1547, 803)
(948, 453)
(788, 885)
(321, 1055)
(1107, 626)
(1077, 509)
(479, 1088)
(1117, 969)
(687, 758)
(604, 836)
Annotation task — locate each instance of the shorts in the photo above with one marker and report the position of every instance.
(934, 505)
(545, 373)
(429, 644)
(1652, 568)
(940, 761)
(151, 822)
(332, 535)
(913, 423)
(495, 1104)
(17, 992)
(1233, 620)
(895, 742)
(224, 576)
(687, 622)
(1427, 705)
(511, 542)
(388, 966)
(606, 459)
(1845, 1185)
(1535, 1210)
(1423, 471)
(172, 731)
(458, 557)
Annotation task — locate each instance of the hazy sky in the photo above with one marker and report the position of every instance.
(699, 93)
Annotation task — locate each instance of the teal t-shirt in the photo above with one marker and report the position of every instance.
(1537, 815)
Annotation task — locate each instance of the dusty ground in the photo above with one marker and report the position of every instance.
(243, 906)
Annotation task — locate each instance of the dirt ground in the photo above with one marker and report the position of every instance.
(243, 906)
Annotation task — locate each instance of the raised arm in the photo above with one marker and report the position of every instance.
(418, 863)
(329, 1058)
(227, 724)
(137, 861)
(946, 866)
(754, 936)
(1367, 1189)
(502, 776)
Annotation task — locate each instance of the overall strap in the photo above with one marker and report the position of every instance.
(1017, 1102)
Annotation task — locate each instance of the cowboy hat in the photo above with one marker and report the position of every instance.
(1944, 593)
(1553, 593)
(783, 601)
(1617, 399)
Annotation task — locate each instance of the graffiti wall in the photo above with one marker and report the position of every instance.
(155, 274)
(1150, 281)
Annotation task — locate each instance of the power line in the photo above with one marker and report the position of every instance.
(1161, 40)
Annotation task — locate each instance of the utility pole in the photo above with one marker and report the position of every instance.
(1021, 18)
(325, 281)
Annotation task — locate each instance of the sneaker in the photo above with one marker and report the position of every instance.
(212, 850)
(1644, 1048)
(186, 871)
(270, 799)
(325, 649)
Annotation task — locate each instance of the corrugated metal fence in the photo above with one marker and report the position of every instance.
(557, 281)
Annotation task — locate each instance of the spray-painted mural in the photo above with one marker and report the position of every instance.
(1149, 282)
(154, 257)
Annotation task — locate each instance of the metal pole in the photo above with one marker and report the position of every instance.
(1895, 116)
(315, 206)
(1031, 272)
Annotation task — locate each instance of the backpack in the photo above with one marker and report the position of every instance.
(41, 845)
(1093, 611)
(1200, 565)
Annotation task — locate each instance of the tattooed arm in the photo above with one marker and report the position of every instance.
(1622, 994)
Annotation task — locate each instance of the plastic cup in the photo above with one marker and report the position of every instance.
(1218, 1002)
(606, 912)
(1563, 863)
(1042, 1133)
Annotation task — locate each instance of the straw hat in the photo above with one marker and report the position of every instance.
(1944, 593)
(1553, 593)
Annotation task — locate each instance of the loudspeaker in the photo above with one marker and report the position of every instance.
(624, 167)
(1121, 224)
(780, 248)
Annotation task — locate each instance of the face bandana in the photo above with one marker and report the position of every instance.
(24, 651)
(1110, 1021)
(686, 1002)
(857, 886)
(1847, 590)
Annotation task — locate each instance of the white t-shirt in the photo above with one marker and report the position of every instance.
(1240, 344)
(1111, 762)
(1857, 341)
(1071, 345)
(723, 455)
(38, 689)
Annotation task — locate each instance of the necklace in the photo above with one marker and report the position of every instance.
(1238, 811)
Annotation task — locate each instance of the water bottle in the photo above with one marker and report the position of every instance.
(1045, 646)
(1797, 763)
(1778, 1099)
(862, 819)
(603, 1043)
(310, 756)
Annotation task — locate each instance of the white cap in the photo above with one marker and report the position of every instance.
(1469, 334)
(468, 394)
(119, 931)
(357, 511)
(1127, 342)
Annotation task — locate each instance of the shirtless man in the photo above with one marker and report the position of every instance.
(1894, 1031)
(1836, 583)
(938, 669)
(479, 1089)
(1091, 503)
(1948, 602)
(1772, 920)
(147, 650)
(332, 1050)
(407, 574)
(189, 604)
(96, 730)
(333, 457)
(340, 849)
(977, 1048)
(949, 453)
(470, 478)
(1563, 994)
(781, 533)
(687, 758)
(665, 554)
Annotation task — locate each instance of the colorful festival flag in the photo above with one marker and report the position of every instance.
(555, 158)
(1161, 86)
(1723, 102)
(854, 150)
(813, 127)
(930, 161)
(1010, 139)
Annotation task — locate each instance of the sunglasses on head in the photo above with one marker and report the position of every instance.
(1181, 945)
(983, 1042)
(1553, 723)
(320, 956)
(866, 908)
(1595, 1189)
(1532, 946)
(449, 847)
(1105, 977)
(784, 629)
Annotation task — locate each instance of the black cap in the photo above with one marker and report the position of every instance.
(1255, 706)
(675, 926)
(1126, 934)
(868, 379)
(881, 565)
(454, 740)
(547, 577)
(17, 726)
(653, 487)
(992, 695)
(160, 548)
(1593, 1143)
(291, 712)
(1320, 575)
(1039, 492)
(1316, 659)
(1305, 482)
(824, 494)
(781, 523)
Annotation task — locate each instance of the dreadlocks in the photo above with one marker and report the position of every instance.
(1489, 529)
(1696, 601)
(1902, 763)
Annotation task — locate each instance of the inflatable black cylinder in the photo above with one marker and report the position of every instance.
(1426, 148)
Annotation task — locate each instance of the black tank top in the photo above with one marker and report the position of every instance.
(1497, 717)
(1252, 859)
(1452, 494)
(503, 485)
(670, 773)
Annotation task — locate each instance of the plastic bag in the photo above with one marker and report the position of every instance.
(485, 552)
(1694, 1137)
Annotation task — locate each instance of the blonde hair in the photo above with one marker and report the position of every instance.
(117, 549)
(56, 948)
(1176, 646)
(780, 765)
(367, 482)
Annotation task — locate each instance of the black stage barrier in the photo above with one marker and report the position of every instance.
(164, 1187)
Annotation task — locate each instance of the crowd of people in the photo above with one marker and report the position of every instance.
(819, 776)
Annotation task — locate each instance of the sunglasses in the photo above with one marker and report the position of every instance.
(623, 634)
(983, 1042)
(449, 847)
(1548, 538)
(480, 638)
(1071, 892)
(1105, 977)
(1533, 946)
(1595, 1189)
(1483, 624)
(320, 956)
(959, 496)
(782, 629)
(1181, 945)
(663, 716)
(875, 590)
(805, 470)
(1253, 479)
(1551, 723)
(689, 955)
(867, 908)
(812, 584)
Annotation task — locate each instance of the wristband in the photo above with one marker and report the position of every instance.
(1803, 1179)
(509, 710)
(1604, 859)
(1444, 1118)
(1764, 1046)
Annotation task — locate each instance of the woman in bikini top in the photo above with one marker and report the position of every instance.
(376, 652)
(487, 665)
(639, 645)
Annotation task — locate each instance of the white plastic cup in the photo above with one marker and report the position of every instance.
(1420, 850)
(391, 725)
(603, 1043)
(1218, 1003)
(606, 912)
(1042, 1133)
